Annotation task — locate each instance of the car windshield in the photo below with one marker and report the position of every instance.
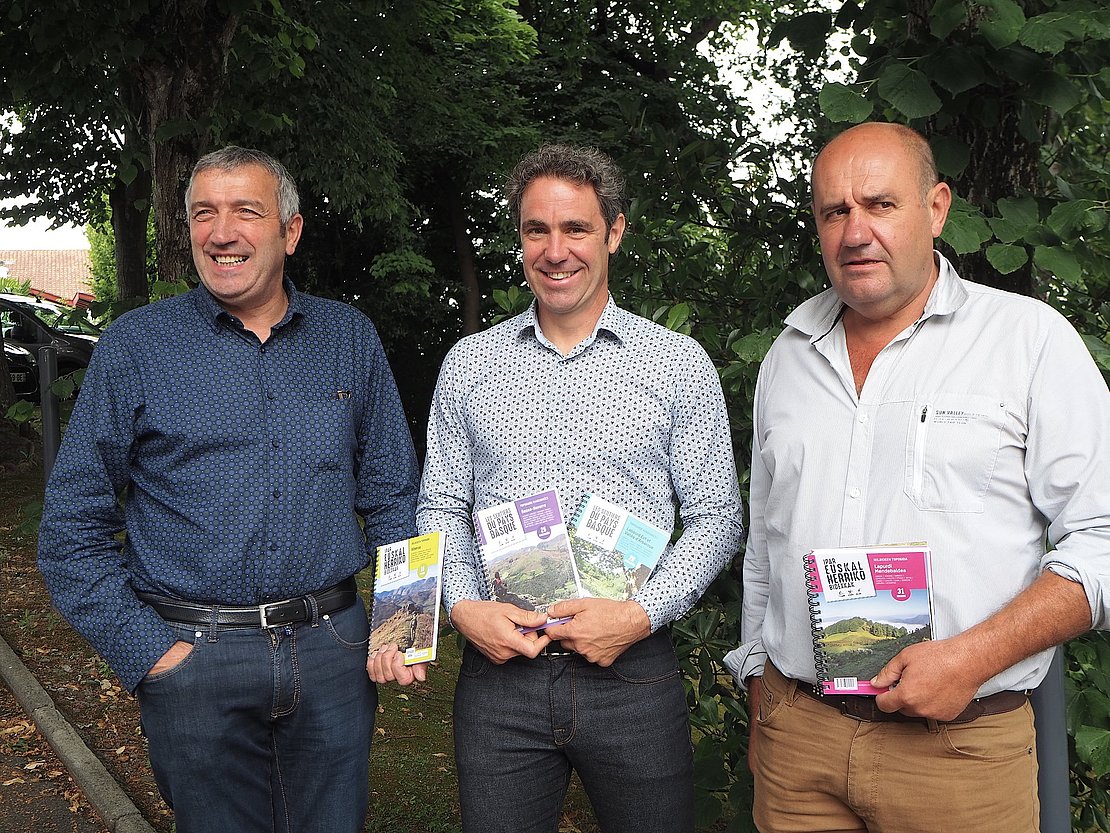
(63, 319)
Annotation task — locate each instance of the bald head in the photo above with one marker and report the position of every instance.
(885, 134)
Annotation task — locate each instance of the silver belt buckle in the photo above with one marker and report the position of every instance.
(265, 624)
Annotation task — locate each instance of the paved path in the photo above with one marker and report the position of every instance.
(40, 802)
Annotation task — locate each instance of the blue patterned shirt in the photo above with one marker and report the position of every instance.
(242, 465)
(634, 414)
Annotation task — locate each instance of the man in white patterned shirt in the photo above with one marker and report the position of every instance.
(580, 396)
(905, 404)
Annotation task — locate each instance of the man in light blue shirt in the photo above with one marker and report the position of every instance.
(579, 396)
(906, 404)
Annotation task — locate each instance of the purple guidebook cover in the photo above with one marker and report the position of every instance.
(526, 552)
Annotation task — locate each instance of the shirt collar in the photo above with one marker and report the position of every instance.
(820, 313)
(211, 311)
(613, 320)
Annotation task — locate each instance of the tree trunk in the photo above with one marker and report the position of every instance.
(178, 97)
(1002, 162)
(464, 251)
(130, 202)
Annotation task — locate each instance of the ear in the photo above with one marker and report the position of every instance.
(616, 233)
(939, 200)
(293, 233)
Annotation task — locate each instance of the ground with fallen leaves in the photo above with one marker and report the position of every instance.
(412, 769)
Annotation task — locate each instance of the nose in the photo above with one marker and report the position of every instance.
(222, 229)
(857, 230)
(556, 250)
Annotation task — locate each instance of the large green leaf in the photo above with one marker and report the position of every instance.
(946, 16)
(678, 316)
(1003, 23)
(1007, 230)
(1006, 258)
(1051, 32)
(956, 69)
(1060, 262)
(908, 91)
(1093, 745)
(1054, 90)
(841, 103)
(951, 155)
(1100, 351)
(966, 229)
(1021, 211)
(1076, 216)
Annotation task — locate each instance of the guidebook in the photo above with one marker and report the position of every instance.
(614, 550)
(865, 605)
(526, 551)
(407, 587)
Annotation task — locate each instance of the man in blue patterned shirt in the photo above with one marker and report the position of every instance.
(580, 396)
(247, 426)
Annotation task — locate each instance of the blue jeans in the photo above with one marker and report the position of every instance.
(265, 730)
(521, 727)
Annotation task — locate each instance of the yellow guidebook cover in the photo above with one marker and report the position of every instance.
(407, 589)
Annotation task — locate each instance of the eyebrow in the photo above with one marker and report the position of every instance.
(868, 199)
(243, 203)
(528, 225)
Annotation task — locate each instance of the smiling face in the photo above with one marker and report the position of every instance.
(566, 250)
(877, 219)
(239, 242)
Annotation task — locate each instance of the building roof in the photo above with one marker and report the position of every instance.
(55, 274)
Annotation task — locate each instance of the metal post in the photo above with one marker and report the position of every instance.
(51, 425)
(1053, 784)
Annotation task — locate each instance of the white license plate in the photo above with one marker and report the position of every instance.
(18, 377)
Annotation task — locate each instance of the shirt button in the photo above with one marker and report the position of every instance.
(270, 395)
(274, 443)
(853, 492)
(863, 418)
(277, 493)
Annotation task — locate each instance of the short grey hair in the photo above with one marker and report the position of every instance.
(232, 158)
(581, 165)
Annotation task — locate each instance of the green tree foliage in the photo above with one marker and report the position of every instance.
(117, 98)
(400, 120)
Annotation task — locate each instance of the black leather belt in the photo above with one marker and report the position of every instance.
(269, 615)
(865, 709)
(556, 649)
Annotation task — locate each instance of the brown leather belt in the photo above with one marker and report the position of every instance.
(859, 707)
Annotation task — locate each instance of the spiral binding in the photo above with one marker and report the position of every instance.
(820, 658)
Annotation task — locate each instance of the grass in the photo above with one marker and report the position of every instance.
(412, 766)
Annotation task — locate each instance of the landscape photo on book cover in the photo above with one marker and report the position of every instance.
(406, 616)
(604, 573)
(859, 646)
(535, 574)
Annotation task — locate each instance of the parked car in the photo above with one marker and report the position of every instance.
(32, 323)
(23, 370)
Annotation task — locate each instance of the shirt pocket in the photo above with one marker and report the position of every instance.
(951, 451)
(328, 437)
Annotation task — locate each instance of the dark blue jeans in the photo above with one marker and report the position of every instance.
(521, 727)
(265, 730)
